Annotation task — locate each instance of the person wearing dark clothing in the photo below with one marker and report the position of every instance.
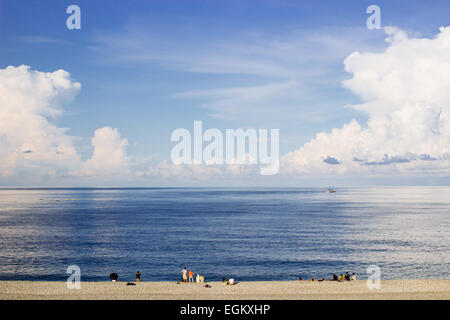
(114, 276)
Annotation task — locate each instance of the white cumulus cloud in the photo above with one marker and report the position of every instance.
(29, 100)
(109, 157)
(32, 148)
(406, 94)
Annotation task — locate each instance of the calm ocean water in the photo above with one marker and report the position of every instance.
(248, 234)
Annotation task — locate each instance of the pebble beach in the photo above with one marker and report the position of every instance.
(436, 289)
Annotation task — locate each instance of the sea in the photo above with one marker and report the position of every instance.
(250, 234)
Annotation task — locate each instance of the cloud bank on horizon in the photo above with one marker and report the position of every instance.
(405, 93)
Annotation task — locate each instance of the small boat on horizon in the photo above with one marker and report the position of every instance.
(331, 191)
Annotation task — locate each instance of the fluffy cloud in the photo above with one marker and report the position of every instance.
(406, 97)
(404, 89)
(31, 147)
(109, 157)
(29, 100)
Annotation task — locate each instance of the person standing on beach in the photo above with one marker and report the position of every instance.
(191, 276)
(184, 274)
(138, 276)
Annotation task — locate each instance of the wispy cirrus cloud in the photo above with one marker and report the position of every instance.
(288, 77)
(38, 39)
(251, 53)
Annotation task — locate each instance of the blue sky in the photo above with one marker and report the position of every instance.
(149, 67)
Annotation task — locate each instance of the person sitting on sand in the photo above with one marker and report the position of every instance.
(231, 281)
(353, 276)
(341, 278)
(334, 278)
(347, 276)
(184, 273)
(138, 276)
(191, 276)
(113, 276)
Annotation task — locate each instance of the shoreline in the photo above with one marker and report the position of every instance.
(435, 289)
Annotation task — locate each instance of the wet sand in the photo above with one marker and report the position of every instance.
(258, 290)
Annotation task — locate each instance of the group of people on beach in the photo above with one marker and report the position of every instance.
(229, 282)
(346, 277)
(185, 273)
(188, 276)
(341, 278)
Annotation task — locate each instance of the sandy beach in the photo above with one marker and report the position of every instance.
(277, 290)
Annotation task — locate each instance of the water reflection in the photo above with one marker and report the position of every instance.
(251, 234)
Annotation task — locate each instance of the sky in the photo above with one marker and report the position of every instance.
(97, 106)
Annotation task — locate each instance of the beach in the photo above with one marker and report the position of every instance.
(436, 289)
